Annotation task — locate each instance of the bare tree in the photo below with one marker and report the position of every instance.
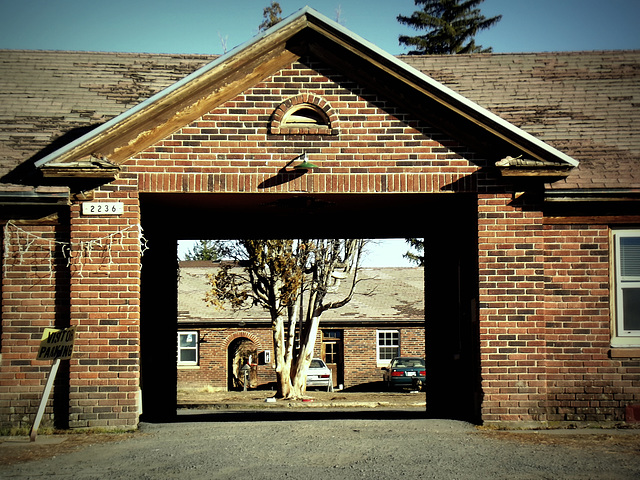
(293, 280)
(223, 42)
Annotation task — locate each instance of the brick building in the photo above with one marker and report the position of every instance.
(384, 319)
(522, 174)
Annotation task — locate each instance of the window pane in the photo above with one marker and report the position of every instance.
(188, 339)
(188, 355)
(330, 353)
(388, 338)
(332, 333)
(631, 308)
(387, 353)
(630, 256)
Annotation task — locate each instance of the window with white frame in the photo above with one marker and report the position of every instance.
(388, 345)
(627, 287)
(188, 348)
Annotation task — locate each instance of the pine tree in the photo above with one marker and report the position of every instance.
(207, 250)
(450, 25)
(416, 257)
(271, 16)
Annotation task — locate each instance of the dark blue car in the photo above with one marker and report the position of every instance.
(405, 372)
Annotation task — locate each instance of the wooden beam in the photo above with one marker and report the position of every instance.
(534, 172)
(159, 127)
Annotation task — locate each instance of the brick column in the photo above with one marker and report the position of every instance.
(511, 276)
(105, 308)
(35, 295)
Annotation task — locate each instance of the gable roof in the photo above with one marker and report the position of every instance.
(306, 32)
(583, 103)
(385, 295)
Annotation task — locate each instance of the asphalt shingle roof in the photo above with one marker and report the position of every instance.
(47, 94)
(385, 294)
(585, 104)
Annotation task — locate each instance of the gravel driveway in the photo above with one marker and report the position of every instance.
(334, 444)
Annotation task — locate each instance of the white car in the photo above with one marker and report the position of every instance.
(319, 375)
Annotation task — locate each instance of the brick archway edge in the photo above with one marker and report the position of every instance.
(243, 334)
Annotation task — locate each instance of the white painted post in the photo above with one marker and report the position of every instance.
(45, 398)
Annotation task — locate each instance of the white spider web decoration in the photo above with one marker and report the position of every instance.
(28, 242)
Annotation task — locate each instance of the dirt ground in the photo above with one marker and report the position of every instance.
(19, 449)
(16, 450)
(313, 398)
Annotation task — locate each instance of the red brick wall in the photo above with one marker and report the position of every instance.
(231, 150)
(511, 276)
(412, 342)
(35, 281)
(105, 308)
(583, 383)
(545, 321)
(94, 286)
(212, 369)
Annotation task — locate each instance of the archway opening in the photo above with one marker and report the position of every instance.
(242, 360)
(448, 222)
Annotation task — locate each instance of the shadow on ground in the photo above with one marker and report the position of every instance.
(288, 415)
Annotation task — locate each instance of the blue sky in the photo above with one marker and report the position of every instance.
(379, 253)
(204, 26)
(197, 26)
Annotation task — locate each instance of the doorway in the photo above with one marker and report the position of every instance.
(447, 222)
(242, 353)
(332, 355)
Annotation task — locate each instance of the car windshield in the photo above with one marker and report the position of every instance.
(315, 363)
(408, 363)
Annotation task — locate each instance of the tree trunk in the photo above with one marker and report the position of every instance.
(299, 379)
(283, 364)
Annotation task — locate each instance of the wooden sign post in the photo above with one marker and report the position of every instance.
(56, 345)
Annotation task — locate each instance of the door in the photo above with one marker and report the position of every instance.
(332, 354)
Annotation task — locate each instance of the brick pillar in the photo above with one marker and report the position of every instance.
(511, 276)
(35, 295)
(105, 308)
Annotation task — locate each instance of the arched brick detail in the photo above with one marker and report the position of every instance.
(277, 128)
(243, 334)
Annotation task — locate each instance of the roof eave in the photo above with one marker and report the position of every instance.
(90, 143)
(170, 106)
(477, 114)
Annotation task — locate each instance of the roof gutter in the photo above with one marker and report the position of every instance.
(35, 197)
(593, 195)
